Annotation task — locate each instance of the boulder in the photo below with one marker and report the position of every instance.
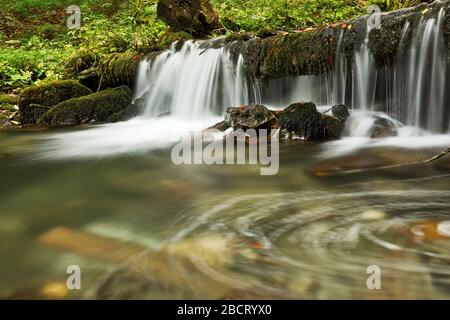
(197, 17)
(221, 126)
(250, 117)
(94, 108)
(133, 110)
(303, 120)
(341, 112)
(31, 113)
(52, 93)
(383, 128)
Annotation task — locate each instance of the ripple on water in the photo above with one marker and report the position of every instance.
(317, 244)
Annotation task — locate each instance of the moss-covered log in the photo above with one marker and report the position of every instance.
(119, 69)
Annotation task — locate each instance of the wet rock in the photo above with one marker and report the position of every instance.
(341, 112)
(170, 37)
(136, 108)
(197, 17)
(222, 126)
(31, 113)
(304, 121)
(250, 117)
(96, 107)
(332, 126)
(52, 93)
(383, 128)
(118, 69)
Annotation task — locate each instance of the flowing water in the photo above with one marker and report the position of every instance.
(309, 232)
(108, 198)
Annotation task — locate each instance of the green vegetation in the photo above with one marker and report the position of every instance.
(35, 44)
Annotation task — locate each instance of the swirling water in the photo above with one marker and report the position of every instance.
(310, 232)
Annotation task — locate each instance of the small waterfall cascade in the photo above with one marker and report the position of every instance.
(194, 82)
(421, 79)
(339, 72)
(413, 89)
(364, 76)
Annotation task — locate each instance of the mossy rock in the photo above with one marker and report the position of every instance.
(197, 17)
(133, 110)
(94, 108)
(80, 61)
(7, 106)
(119, 69)
(9, 99)
(170, 37)
(303, 119)
(52, 93)
(31, 113)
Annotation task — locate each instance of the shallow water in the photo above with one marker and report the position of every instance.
(309, 232)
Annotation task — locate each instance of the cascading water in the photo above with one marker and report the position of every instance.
(194, 82)
(364, 76)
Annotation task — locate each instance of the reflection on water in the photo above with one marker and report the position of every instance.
(140, 227)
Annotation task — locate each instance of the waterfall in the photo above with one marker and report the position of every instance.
(196, 81)
(364, 76)
(340, 72)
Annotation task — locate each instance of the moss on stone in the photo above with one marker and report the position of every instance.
(52, 93)
(170, 37)
(10, 99)
(94, 108)
(300, 53)
(119, 69)
(31, 113)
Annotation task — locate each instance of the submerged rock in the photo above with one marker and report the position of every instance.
(195, 16)
(52, 93)
(250, 117)
(96, 107)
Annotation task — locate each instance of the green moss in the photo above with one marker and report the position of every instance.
(7, 107)
(10, 99)
(170, 37)
(120, 69)
(31, 113)
(309, 52)
(97, 107)
(52, 93)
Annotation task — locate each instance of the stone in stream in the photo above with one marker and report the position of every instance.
(383, 128)
(303, 120)
(31, 113)
(51, 94)
(341, 112)
(250, 117)
(94, 108)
